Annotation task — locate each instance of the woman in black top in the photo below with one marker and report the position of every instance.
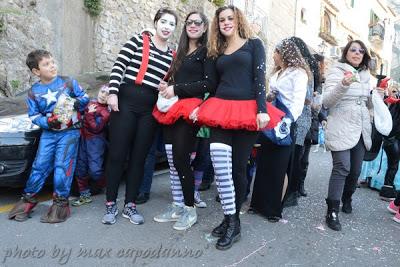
(192, 75)
(133, 93)
(236, 112)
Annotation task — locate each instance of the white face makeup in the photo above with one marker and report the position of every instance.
(194, 27)
(226, 22)
(165, 26)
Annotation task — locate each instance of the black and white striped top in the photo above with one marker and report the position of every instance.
(128, 62)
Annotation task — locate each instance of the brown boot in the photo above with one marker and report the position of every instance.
(58, 212)
(23, 208)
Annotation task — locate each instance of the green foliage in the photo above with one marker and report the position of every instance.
(184, 1)
(93, 7)
(218, 3)
(15, 84)
(2, 26)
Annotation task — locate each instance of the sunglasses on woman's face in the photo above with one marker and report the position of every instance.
(360, 50)
(195, 22)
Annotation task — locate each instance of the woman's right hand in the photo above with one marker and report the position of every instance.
(348, 78)
(112, 101)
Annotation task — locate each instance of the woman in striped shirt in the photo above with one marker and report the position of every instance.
(140, 66)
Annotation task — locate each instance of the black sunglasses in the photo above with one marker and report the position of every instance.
(195, 22)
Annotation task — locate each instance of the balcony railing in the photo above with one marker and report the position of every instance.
(377, 32)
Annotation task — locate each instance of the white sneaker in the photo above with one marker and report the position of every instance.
(172, 214)
(197, 200)
(187, 219)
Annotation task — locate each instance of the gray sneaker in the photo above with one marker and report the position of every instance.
(111, 213)
(197, 200)
(130, 212)
(172, 214)
(187, 219)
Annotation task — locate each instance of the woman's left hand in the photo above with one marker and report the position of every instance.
(262, 120)
(168, 92)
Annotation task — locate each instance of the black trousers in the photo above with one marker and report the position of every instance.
(300, 166)
(241, 142)
(272, 165)
(182, 136)
(132, 131)
(392, 149)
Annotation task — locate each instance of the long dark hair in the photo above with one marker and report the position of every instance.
(364, 65)
(183, 46)
(311, 61)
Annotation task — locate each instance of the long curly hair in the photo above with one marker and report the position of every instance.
(218, 42)
(291, 57)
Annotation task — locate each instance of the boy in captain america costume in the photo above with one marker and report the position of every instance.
(59, 140)
(92, 147)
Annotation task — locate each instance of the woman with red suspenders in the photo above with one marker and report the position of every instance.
(140, 66)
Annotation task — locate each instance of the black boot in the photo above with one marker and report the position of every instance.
(346, 202)
(332, 215)
(232, 233)
(220, 230)
(302, 191)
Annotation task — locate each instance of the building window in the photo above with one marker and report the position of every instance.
(326, 27)
(303, 15)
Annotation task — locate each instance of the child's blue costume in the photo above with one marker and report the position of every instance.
(57, 148)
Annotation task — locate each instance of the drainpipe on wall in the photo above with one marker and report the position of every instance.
(295, 18)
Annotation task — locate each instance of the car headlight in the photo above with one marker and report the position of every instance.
(17, 123)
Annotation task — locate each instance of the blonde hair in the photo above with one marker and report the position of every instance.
(217, 42)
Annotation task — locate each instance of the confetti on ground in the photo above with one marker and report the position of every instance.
(283, 221)
(320, 227)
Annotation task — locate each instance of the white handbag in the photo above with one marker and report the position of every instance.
(382, 117)
(164, 104)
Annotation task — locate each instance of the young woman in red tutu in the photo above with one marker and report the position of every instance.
(192, 75)
(235, 114)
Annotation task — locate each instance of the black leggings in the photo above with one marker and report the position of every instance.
(182, 136)
(242, 142)
(132, 132)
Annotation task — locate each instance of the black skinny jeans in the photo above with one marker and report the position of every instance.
(182, 136)
(132, 131)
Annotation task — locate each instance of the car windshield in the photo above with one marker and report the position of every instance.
(13, 105)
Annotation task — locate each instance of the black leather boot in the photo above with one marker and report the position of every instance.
(346, 202)
(302, 190)
(332, 215)
(231, 235)
(220, 230)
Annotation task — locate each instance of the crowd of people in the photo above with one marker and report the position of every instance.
(209, 97)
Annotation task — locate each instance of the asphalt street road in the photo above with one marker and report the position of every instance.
(369, 236)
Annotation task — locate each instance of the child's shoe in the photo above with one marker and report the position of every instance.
(58, 212)
(197, 200)
(396, 217)
(82, 200)
(111, 213)
(23, 208)
(392, 208)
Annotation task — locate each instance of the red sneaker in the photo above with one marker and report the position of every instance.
(396, 217)
(392, 208)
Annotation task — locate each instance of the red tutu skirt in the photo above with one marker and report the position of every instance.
(235, 114)
(180, 109)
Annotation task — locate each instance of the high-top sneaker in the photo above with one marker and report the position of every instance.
(392, 208)
(23, 208)
(387, 193)
(59, 211)
(332, 215)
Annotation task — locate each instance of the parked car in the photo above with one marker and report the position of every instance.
(19, 139)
